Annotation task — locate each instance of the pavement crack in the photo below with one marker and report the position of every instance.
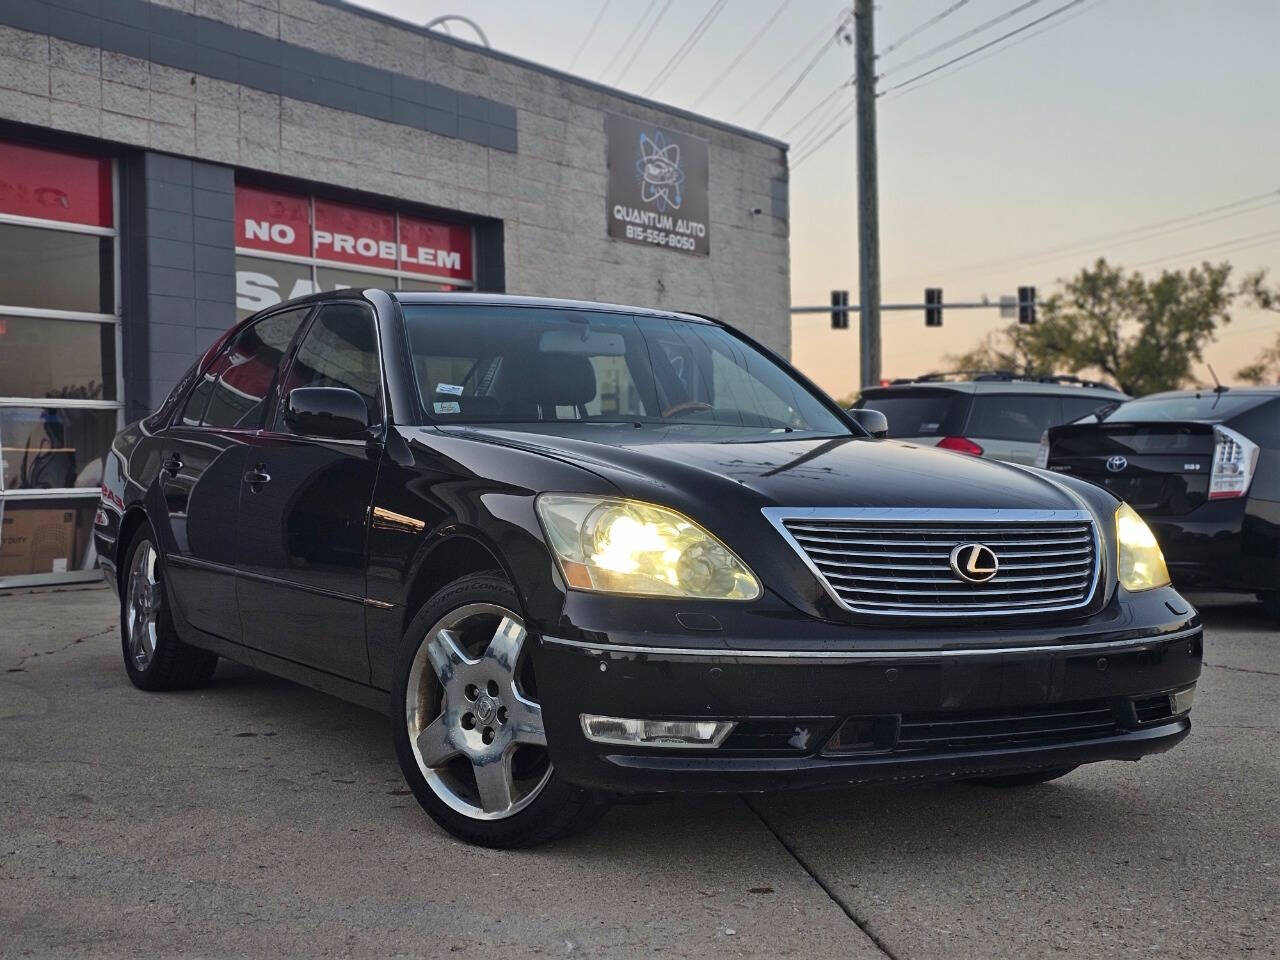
(1265, 673)
(22, 661)
(835, 898)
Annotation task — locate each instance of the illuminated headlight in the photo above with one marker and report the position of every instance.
(612, 545)
(1140, 563)
(655, 733)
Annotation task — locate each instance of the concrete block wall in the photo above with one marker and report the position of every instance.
(546, 182)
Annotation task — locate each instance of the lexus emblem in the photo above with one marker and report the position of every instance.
(1117, 463)
(974, 562)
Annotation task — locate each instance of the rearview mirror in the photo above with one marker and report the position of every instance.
(326, 412)
(872, 421)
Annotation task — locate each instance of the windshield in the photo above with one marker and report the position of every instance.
(1202, 406)
(496, 364)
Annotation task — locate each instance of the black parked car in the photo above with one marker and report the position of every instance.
(1203, 467)
(579, 550)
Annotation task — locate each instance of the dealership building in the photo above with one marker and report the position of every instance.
(167, 167)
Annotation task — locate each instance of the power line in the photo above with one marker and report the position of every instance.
(591, 32)
(996, 53)
(643, 41)
(818, 106)
(631, 35)
(1090, 244)
(813, 62)
(686, 48)
(741, 54)
(961, 37)
(823, 37)
(823, 142)
(937, 18)
(990, 43)
(1253, 240)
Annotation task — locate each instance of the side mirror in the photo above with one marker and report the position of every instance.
(872, 421)
(336, 412)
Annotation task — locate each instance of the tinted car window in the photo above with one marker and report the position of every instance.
(339, 349)
(1204, 406)
(238, 382)
(1011, 416)
(1073, 408)
(525, 364)
(918, 412)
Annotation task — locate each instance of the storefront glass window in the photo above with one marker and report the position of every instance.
(68, 359)
(60, 406)
(289, 245)
(55, 270)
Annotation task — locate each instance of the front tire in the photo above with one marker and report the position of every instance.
(468, 728)
(154, 656)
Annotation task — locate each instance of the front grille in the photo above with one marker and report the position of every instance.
(898, 562)
(979, 730)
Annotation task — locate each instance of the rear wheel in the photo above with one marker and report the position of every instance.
(468, 727)
(1028, 779)
(154, 657)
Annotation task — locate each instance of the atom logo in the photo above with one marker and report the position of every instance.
(661, 179)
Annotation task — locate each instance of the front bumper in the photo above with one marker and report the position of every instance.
(986, 707)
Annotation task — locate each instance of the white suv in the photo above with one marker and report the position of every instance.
(997, 415)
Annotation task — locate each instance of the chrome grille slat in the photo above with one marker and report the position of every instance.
(897, 561)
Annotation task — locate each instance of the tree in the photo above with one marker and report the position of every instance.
(1143, 334)
(1266, 369)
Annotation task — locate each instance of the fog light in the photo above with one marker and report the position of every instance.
(656, 733)
(1180, 700)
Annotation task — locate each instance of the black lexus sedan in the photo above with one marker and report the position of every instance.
(1203, 468)
(578, 551)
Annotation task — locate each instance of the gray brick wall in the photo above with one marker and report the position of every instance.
(549, 192)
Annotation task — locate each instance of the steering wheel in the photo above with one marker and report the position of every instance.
(685, 407)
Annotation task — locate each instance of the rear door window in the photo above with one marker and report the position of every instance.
(239, 381)
(1012, 416)
(919, 411)
(1073, 408)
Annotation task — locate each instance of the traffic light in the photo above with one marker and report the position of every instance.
(933, 306)
(1026, 304)
(839, 318)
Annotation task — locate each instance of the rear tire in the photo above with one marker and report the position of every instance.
(468, 729)
(1028, 779)
(154, 656)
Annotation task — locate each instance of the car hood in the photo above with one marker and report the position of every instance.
(668, 465)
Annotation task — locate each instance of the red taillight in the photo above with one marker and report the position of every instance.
(960, 445)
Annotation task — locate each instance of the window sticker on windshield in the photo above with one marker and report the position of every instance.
(448, 406)
(452, 389)
(929, 427)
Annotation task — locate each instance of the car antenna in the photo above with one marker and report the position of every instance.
(1217, 384)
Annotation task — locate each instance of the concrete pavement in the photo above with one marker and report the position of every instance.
(257, 817)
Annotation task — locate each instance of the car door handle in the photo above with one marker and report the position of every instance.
(172, 465)
(256, 477)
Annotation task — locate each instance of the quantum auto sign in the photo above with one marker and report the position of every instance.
(657, 189)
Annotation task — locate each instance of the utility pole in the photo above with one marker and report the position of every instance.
(868, 194)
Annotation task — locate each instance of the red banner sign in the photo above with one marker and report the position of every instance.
(277, 222)
(341, 233)
(51, 185)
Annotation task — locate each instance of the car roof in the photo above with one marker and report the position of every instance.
(1002, 387)
(1262, 391)
(555, 303)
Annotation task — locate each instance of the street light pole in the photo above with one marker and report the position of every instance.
(868, 195)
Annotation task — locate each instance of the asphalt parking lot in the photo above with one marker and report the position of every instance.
(257, 817)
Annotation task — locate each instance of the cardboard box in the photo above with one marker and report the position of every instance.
(37, 540)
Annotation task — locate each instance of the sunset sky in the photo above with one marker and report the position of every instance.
(1017, 166)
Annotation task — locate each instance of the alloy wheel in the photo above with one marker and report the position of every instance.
(474, 725)
(142, 611)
